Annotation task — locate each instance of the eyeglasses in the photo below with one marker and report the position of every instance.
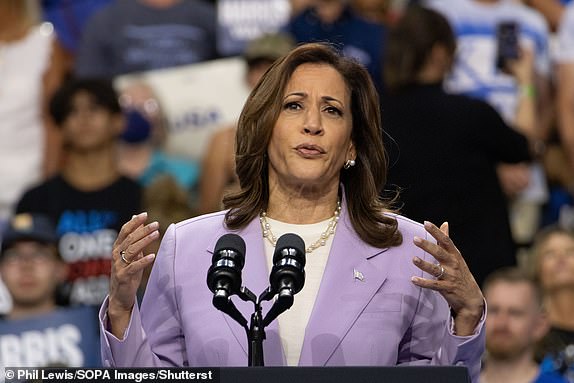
(13, 257)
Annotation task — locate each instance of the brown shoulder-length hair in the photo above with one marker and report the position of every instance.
(410, 44)
(362, 183)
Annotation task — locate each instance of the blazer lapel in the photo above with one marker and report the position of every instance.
(255, 276)
(349, 282)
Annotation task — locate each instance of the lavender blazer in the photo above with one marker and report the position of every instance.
(383, 320)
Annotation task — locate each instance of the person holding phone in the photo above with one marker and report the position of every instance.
(468, 195)
(488, 33)
(485, 30)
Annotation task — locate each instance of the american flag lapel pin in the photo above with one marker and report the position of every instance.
(358, 276)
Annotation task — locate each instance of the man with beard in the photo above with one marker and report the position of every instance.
(514, 324)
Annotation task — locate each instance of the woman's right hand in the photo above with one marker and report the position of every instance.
(127, 271)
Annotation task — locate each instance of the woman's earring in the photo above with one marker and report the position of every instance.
(349, 164)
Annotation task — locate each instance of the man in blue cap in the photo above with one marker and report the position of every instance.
(30, 265)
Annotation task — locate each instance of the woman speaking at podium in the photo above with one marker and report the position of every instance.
(380, 289)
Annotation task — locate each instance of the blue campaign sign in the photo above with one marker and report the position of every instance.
(66, 337)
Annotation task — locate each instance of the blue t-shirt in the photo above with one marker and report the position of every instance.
(69, 18)
(354, 36)
(550, 371)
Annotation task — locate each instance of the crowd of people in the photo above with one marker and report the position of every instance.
(447, 126)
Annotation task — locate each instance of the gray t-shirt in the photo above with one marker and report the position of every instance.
(129, 36)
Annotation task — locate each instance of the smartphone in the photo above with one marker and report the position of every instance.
(507, 43)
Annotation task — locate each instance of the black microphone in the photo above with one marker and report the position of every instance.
(224, 274)
(287, 275)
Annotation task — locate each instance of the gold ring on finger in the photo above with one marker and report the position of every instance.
(442, 271)
(123, 257)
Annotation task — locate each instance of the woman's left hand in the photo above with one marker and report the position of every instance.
(453, 280)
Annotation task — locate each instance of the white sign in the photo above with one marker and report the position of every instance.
(197, 100)
(239, 21)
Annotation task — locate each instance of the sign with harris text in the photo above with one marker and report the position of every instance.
(68, 337)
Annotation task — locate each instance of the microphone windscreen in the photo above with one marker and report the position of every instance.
(292, 241)
(230, 242)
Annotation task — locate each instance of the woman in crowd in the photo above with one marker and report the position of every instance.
(554, 268)
(32, 67)
(445, 147)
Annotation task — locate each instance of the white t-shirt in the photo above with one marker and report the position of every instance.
(293, 322)
(22, 67)
(475, 73)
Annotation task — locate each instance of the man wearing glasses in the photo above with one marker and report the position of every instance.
(30, 265)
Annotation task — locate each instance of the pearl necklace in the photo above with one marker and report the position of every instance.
(322, 241)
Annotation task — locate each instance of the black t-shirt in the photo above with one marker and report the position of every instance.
(443, 151)
(88, 223)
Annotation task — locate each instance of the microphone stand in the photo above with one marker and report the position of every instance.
(256, 330)
(255, 337)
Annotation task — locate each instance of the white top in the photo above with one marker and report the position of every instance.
(22, 67)
(565, 50)
(475, 25)
(293, 322)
